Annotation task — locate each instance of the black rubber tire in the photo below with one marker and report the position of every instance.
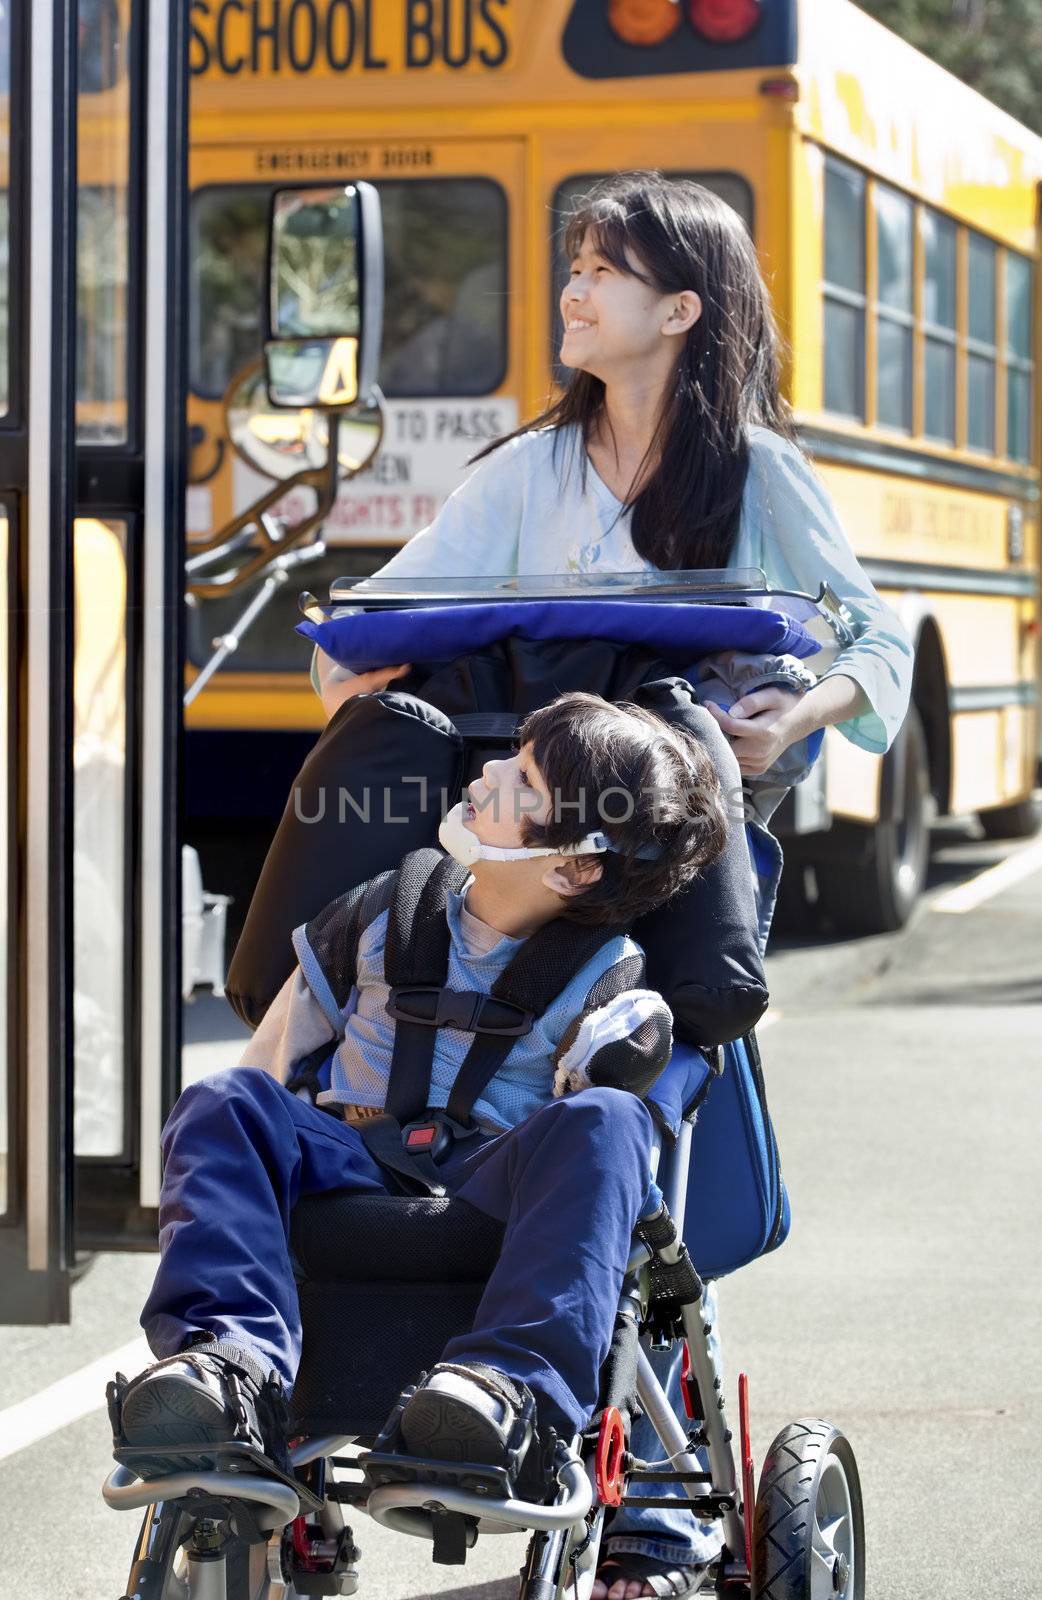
(795, 915)
(806, 1462)
(874, 873)
(1021, 820)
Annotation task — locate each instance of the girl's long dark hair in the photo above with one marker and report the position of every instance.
(726, 377)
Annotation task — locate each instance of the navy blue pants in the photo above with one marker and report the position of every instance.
(569, 1185)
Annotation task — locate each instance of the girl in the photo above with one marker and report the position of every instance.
(669, 448)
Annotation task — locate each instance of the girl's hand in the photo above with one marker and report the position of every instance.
(759, 727)
(336, 692)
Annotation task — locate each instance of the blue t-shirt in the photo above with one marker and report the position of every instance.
(524, 1082)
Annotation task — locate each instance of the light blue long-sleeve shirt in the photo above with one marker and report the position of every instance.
(527, 508)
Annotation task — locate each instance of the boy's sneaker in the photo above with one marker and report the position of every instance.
(468, 1412)
(213, 1393)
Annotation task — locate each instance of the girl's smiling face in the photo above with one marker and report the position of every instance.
(612, 318)
(506, 793)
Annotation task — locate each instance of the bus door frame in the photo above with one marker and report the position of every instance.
(44, 481)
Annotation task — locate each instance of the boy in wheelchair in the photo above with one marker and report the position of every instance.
(474, 1024)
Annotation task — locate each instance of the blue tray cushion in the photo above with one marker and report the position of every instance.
(683, 633)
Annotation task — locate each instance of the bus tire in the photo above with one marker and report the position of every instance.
(1021, 820)
(795, 914)
(875, 872)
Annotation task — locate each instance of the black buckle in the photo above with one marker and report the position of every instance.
(432, 1134)
(455, 1008)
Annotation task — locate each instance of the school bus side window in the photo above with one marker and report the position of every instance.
(844, 290)
(1018, 357)
(938, 236)
(445, 293)
(980, 344)
(895, 218)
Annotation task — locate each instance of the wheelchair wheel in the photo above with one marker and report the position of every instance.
(809, 1533)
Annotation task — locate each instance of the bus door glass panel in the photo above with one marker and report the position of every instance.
(5, 85)
(4, 242)
(102, 222)
(100, 879)
(6, 599)
(731, 187)
(1018, 357)
(895, 218)
(844, 290)
(102, 1120)
(980, 344)
(939, 326)
(5, 821)
(4, 253)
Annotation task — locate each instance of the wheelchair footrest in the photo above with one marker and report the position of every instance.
(385, 1467)
(388, 1462)
(231, 1457)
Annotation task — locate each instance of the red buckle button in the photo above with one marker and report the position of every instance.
(420, 1138)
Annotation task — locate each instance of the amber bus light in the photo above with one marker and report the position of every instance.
(644, 22)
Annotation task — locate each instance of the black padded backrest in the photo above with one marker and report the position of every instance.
(368, 793)
(702, 948)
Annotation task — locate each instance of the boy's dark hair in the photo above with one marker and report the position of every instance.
(626, 772)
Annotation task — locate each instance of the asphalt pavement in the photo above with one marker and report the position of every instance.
(905, 1080)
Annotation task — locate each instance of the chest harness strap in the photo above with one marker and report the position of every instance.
(409, 1137)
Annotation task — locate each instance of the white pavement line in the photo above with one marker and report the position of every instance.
(768, 1020)
(992, 881)
(66, 1401)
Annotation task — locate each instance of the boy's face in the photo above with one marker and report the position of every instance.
(506, 793)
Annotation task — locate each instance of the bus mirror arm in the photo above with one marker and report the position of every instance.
(255, 525)
(199, 561)
(281, 567)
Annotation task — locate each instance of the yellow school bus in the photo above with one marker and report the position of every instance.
(895, 213)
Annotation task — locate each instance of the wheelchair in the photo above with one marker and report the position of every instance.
(385, 1282)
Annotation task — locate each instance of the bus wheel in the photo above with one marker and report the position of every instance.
(875, 874)
(795, 913)
(1018, 821)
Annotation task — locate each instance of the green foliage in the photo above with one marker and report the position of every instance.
(993, 45)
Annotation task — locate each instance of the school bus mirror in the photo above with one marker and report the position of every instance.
(280, 443)
(312, 372)
(326, 285)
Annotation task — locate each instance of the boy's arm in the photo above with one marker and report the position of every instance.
(293, 1026)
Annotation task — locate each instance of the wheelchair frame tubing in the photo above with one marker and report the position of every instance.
(207, 1577)
(549, 1573)
(156, 1551)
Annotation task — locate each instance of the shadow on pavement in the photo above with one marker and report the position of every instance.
(506, 1589)
(1018, 992)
